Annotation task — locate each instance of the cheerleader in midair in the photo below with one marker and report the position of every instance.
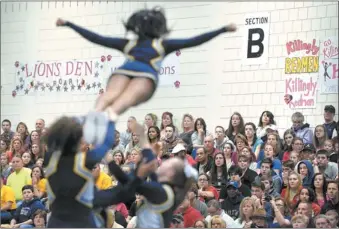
(136, 80)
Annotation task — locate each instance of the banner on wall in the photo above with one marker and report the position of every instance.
(257, 29)
(80, 76)
(328, 72)
(301, 71)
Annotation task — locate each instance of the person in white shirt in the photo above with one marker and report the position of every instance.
(214, 208)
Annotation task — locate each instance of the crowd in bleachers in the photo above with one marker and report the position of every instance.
(249, 176)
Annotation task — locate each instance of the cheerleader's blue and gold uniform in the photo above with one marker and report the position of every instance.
(160, 201)
(144, 57)
(71, 187)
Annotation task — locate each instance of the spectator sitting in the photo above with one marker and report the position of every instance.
(333, 198)
(177, 221)
(214, 208)
(40, 219)
(6, 128)
(333, 154)
(333, 217)
(259, 219)
(195, 202)
(248, 175)
(205, 161)
(299, 221)
(5, 168)
(206, 191)
(221, 138)
(305, 169)
(19, 178)
(322, 165)
(307, 195)
(268, 182)
(8, 204)
(190, 214)
(180, 151)
(304, 208)
(23, 216)
(330, 124)
(300, 129)
(171, 139)
(102, 180)
(217, 222)
(321, 221)
(266, 169)
(308, 152)
(259, 196)
(235, 174)
(232, 202)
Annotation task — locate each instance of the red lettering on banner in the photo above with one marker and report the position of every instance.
(299, 45)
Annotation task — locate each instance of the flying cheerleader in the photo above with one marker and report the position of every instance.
(136, 80)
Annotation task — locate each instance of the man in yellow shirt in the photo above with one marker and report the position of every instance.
(8, 204)
(19, 178)
(102, 180)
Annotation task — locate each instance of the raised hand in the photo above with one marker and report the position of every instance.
(60, 22)
(144, 169)
(34, 180)
(231, 27)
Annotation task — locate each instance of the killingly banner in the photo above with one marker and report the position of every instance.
(301, 73)
(80, 76)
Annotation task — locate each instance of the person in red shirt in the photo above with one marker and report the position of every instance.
(190, 214)
(180, 151)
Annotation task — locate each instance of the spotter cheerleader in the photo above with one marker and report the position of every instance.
(162, 197)
(73, 198)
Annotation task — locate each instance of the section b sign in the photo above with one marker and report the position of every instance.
(256, 32)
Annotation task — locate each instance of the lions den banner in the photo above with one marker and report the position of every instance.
(301, 70)
(80, 76)
(328, 72)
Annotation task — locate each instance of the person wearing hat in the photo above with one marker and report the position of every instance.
(308, 152)
(232, 202)
(180, 151)
(177, 221)
(331, 126)
(259, 219)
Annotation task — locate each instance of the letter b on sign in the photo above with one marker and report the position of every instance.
(255, 46)
(255, 43)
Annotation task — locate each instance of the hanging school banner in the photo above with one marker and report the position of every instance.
(80, 76)
(328, 72)
(301, 71)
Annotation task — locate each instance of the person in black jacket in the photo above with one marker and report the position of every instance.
(248, 175)
(232, 202)
(332, 193)
(330, 125)
(235, 173)
(205, 161)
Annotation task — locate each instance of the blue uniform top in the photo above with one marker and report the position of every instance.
(144, 57)
(71, 186)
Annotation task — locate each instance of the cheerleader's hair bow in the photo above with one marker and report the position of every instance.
(190, 172)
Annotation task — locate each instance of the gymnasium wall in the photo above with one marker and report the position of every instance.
(214, 82)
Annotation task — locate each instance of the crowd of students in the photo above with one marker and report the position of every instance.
(249, 175)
